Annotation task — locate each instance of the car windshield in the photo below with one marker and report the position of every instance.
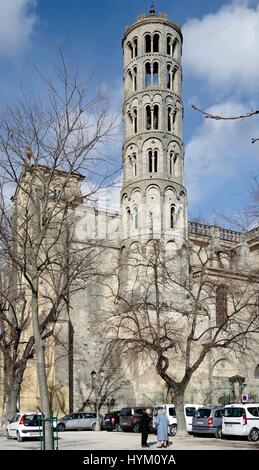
(140, 411)
(202, 413)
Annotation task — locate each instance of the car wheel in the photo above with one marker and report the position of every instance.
(93, 426)
(253, 435)
(8, 435)
(218, 433)
(61, 427)
(136, 428)
(173, 430)
(19, 437)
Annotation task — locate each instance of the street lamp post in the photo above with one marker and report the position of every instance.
(95, 377)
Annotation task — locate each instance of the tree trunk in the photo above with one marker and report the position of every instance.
(179, 405)
(41, 368)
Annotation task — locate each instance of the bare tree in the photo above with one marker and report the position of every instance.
(168, 318)
(46, 152)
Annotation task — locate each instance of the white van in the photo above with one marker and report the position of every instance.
(241, 419)
(189, 410)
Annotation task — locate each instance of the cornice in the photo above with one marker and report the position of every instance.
(152, 20)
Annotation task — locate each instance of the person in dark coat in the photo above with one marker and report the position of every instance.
(144, 427)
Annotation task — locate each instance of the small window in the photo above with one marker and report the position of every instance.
(126, 412)
(190, 411)
(218, 413)
(221, 305)
(148, 74)
(131, 50)
(135, 48)
(135, 217)
(203, 413)
(156, 43)
(135, 121)
(155, 74)
(169, 45)
(148, 117)
(155, 161)
(147, 43)
(234, 412)
(169, 77)
(172, 216)
(134, 80)
(156, 117)
(169, 118)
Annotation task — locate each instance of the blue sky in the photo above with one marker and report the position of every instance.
(220, 67)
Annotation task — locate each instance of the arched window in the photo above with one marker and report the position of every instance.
(128, 222)
(155, 73)
(135, 120)
(135, 218)
(148, 117)
(174, 75)
(172, 163)
(221, 305)
(135, 47)
(174, 47)
(156, 42)
(169, 45)
(172, 216)
(130, 50)
(156, 117)
(133, 164)
(174, 115)
(257, 372)
(169, 77)
(148, 74)
(169, 118)
(152, 161)
(135, 79)
(147, 43)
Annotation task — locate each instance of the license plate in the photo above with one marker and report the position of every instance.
(34, 433)
(228, 424)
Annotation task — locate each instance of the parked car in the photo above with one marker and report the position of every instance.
(241, 419)
(208, 420)
(189, 410)
(80, 420)
(24, 425)
(111, 421)
(130, 418)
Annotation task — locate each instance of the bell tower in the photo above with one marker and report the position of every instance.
(153, 197)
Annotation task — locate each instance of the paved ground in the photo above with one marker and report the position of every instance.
(89, 440)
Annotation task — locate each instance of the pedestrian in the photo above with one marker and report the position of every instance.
(144, 427)
(162, 429)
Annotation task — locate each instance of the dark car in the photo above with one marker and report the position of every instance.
(130, 418)
(208, 420)
(111, 421)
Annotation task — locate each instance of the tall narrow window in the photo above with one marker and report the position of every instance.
(171, 163)
(174, 48)
(156, 116)
(131, 50)
(221, 305)
(134, 165)
(174, 76)
(169, 118)
(155, 161)
(135, 79)
(129, 81)
(172, 216)
(155, 74)
(135, 217)
(169, 45)
(128, 222)
(135, 120)
(156, 43)
(150, 161)
(148, 43)
(169, 77)
(148, 74)
(135, 48)
(174, 116)
(148, 118)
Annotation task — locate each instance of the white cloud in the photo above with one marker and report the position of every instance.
(222, 48)
(17, 20)
(220, 152)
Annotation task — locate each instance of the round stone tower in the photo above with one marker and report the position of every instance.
(153, 198)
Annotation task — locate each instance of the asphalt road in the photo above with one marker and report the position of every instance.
(89, 440)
